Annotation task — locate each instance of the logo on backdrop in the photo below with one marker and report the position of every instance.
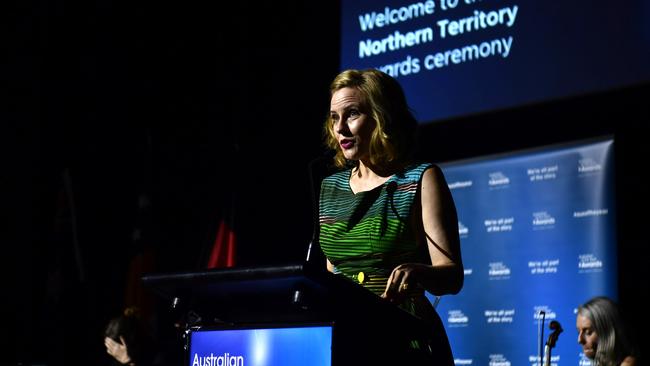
(463, 361)
(542, 220)
(225, 360)
(588, 262)
(463, 231)
(499, 225)
(534, 360)
(588, 166)
(545, 266)
(543, 173)
(583, 360)
(460, 184)
(549, 313)
(498, 271)
(590, 212)
(499, 316)
(456, 318)
(498, 180)
(498, 360)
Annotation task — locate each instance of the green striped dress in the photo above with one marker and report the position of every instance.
(366, 235)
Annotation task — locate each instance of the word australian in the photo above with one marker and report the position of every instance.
(225, 360)
(446, 28)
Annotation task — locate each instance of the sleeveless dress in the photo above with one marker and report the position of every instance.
(367, 234)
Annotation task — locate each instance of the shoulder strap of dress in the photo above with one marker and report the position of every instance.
(414, 172)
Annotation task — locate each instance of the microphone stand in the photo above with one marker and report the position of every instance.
(314, 258)
(540, 334)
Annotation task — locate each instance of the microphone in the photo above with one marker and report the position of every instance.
(552, 339)
(309, 248)
(555, 325)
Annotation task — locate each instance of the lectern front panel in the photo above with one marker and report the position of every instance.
(287, 346)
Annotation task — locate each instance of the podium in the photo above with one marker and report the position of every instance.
(365, 329)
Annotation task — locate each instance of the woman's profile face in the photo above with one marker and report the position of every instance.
(587, 336)
(351, 124)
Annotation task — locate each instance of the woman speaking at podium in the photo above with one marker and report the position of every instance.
(387, 222)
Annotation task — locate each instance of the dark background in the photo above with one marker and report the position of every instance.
(130, 129)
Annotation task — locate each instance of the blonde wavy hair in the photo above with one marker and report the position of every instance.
(393, 139)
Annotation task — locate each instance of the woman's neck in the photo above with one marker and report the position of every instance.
(366, 170)
(365, 177)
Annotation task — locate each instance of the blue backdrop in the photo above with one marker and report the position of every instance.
(538, 234)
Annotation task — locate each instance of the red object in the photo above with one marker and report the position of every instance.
(223, 250)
